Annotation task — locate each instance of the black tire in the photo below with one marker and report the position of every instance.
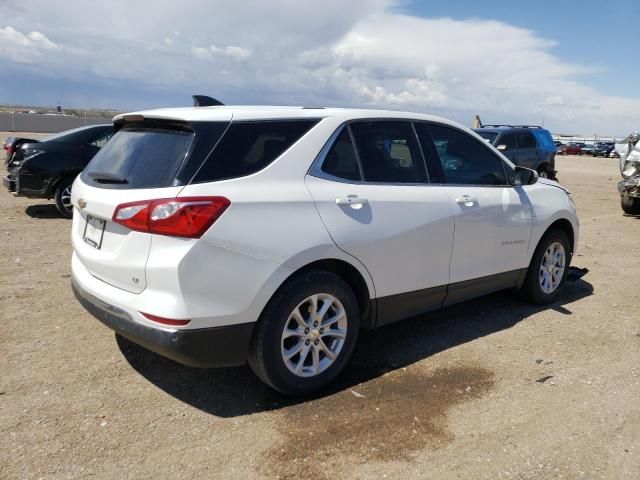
(543, 171)
(531, 289)
(63, 203)
(630, 205)
(265, 354)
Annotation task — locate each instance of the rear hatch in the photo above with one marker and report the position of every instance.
(146, 159)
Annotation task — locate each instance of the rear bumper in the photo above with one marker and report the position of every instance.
(223, 346)
(28, 186)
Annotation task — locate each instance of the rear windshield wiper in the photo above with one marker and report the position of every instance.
(105, 177)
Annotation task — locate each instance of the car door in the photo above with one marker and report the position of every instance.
(508, 145)
(528, 155)
(371, 190)
(492, 218)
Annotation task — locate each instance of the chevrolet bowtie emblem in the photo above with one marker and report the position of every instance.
(82, 203)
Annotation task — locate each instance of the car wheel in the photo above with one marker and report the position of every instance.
(543, 173)
(630, 205)
(63, 198)
(548, 268)
(306, 334)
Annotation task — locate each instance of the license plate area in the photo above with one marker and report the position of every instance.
(94, 231)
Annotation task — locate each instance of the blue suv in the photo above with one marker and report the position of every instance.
(529, 146)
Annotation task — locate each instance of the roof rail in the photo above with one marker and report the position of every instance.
(511, 126)
(205, 101)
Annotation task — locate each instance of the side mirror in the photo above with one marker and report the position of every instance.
(502, 148)
(525, 176)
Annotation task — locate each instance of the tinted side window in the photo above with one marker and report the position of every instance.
(464, 160)
(389, 152)
(509, 139)
(526, 140)
(341, 159)
(248, 147)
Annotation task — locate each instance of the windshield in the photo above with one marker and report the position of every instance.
(138, 157)
(490, 136)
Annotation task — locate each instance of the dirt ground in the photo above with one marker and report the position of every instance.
(454, 394)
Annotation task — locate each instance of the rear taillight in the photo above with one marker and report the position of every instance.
(177, 217)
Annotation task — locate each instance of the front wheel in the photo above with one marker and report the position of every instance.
(548, 268)
(63, 198)
(630, 205)
(306, 334)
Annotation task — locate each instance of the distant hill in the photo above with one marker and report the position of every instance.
(75, 112)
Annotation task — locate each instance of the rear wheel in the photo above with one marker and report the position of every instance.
(630, 205)
(543, 172)
(548, 268)
(63, 198)
(306, 334)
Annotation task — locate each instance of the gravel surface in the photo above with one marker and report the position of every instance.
(458, 393)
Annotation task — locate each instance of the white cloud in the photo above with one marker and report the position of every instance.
(12, 37)
(555, 101)
(23, 47)
(333, 52)
(230, 51)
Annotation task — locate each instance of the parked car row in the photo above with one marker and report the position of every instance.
(600, 149)
(47, 168)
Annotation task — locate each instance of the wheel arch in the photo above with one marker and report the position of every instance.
(60, 178)
(566, 227)
(349, 274)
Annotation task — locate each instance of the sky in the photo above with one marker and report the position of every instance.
(572, 66)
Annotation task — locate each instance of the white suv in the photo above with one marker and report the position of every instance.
(217, 235)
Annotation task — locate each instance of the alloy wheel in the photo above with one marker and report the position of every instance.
(66, 198)
(552, 268)
(314, 335)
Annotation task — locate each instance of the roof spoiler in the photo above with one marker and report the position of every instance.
(204, 101)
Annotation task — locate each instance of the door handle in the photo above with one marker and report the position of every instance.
(466, 200)
(351, 200)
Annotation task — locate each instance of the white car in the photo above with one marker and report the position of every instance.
(220, 235)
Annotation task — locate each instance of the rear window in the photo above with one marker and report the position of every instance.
(78, 135)
(140, 158)
(248, 147)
